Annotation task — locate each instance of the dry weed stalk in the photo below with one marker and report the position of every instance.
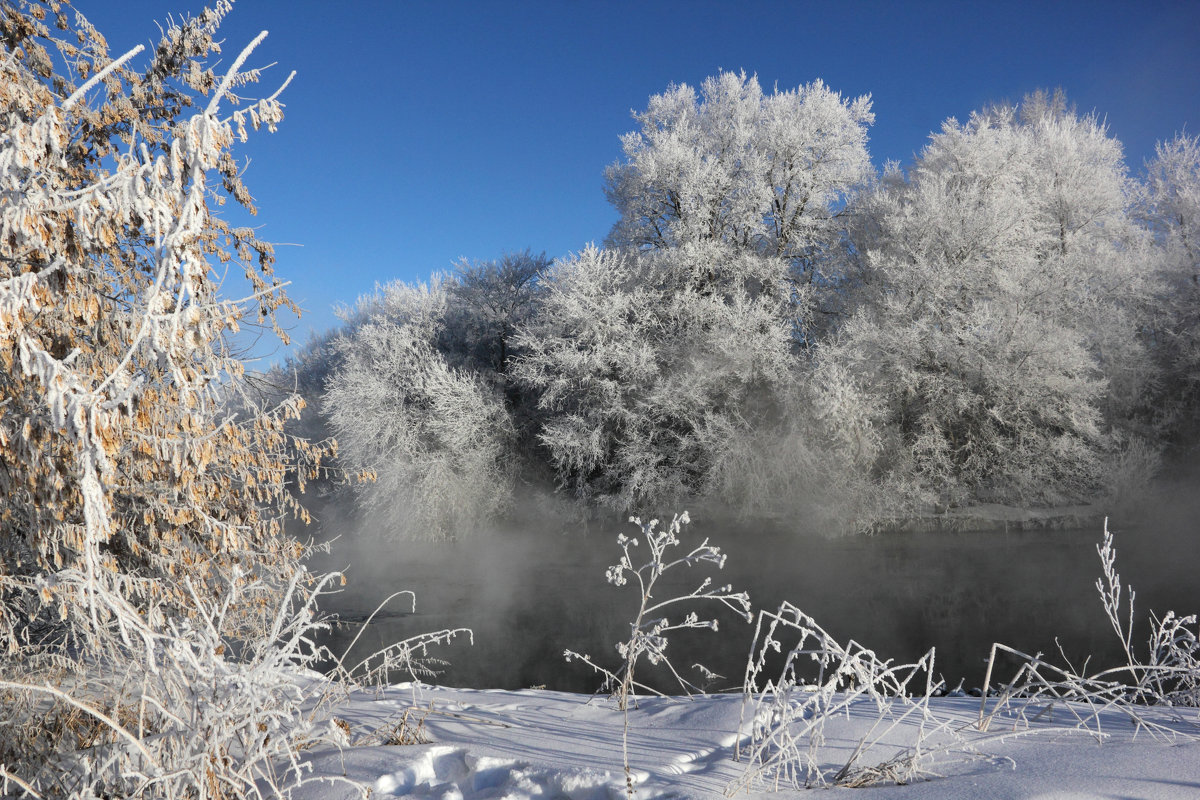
(408, 657)
(784, 718)
(648, 630)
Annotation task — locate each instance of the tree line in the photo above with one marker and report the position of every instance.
(775, 325)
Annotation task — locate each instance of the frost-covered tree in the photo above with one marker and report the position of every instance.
(117, 439)
(491, 299)
(141, 499)
(652, 360)
(437, 438)
(1172, 213)
(646, 365)
(1173, 181)
(1083, 203)
(763, 173)
(820, 457)
(465, 323)
(999, 288)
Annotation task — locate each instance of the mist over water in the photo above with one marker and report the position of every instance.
(528, 593)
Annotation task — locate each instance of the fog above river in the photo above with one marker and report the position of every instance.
(528, 593)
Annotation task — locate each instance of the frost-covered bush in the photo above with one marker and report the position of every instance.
(118, 383)
(437, 439)
(198, 708)
(817, 458)
(1157, 690)
(154, 620)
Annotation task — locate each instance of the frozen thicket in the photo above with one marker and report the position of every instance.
(1010, 320)
(419, 395)
(1158, 692)
(821, 456)
(784, 717)
(207, 710)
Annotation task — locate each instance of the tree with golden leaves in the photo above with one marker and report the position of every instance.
(142, 492)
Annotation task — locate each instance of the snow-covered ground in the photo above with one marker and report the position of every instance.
(543, 744)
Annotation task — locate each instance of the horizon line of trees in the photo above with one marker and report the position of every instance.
(774, 325)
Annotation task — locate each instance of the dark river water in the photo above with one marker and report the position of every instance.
(529, 595)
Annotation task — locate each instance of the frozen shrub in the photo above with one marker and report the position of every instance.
(1130, 471)
(206, 709)
(817, 458)
(120, 450)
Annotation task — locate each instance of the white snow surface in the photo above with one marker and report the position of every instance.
(544, 744)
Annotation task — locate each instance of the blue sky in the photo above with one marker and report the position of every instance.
(419, 132)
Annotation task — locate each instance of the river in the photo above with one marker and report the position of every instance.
(530, 594)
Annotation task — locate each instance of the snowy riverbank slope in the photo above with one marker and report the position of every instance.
(542, 744)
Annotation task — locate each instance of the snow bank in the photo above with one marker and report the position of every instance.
(542, 744)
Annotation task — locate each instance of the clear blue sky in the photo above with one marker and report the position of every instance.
(419, 132)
